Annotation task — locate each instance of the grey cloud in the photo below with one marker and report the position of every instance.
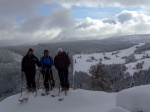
(14, 7)
(91, 3)
(124, 16)
(32, 24)
(142, 28)
(109, 21)
(84, 25)
(63, 20)
(57, 19)
(6, 24)
(60, 18)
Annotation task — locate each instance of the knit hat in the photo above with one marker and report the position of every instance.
(30, 49)
(59, 49)
(45, 51)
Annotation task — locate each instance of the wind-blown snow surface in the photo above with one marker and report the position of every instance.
(76, 101)
(83, 62)
(136, 99)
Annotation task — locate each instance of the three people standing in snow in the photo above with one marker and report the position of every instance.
(61, 63)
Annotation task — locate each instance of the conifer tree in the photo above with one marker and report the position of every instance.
(99, 79)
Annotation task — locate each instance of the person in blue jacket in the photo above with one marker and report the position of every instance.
(47, 63)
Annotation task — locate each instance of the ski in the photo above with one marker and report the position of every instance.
(52, 95)
(62, 95)
(44, 94)
(61, 99)
(23, 99)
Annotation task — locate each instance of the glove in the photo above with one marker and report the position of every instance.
(40, 69)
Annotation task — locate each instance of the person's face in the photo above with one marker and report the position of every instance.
(59, 53)
(30, 53)
(45, 53)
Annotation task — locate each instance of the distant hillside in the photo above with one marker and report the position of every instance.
(74, 47)
(137, 38)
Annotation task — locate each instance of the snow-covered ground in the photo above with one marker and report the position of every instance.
(76, 101)
(8, 56)
(15, 56)
(83, 62)
(135, 99)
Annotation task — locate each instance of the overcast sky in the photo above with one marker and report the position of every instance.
(30, 21)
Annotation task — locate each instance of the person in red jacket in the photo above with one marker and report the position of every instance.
(61, 63)
(29, 69)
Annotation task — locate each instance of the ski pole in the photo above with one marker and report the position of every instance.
(22, 83)
(37, 84)
(44, 75)
(59, 90)
(50, 80)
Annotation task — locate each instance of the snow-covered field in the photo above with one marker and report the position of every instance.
(83, 62)
(76, 101)
(135, 99)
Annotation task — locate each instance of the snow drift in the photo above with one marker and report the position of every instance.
(136, 99)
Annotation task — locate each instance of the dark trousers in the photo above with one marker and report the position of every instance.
(30, 78)
(63, 76)
(47, 76)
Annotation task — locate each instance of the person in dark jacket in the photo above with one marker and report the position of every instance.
(61, 63)
(47, 63)
(29, 69)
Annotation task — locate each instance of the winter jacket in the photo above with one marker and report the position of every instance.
(61, 61)
(46, 62)
(28, 63)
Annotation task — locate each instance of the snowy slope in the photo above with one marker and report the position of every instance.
(8, 56)
(17, 57)
(135, 99)
(83, 62)
(76, 101)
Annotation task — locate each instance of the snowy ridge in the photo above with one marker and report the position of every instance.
(135, 99)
